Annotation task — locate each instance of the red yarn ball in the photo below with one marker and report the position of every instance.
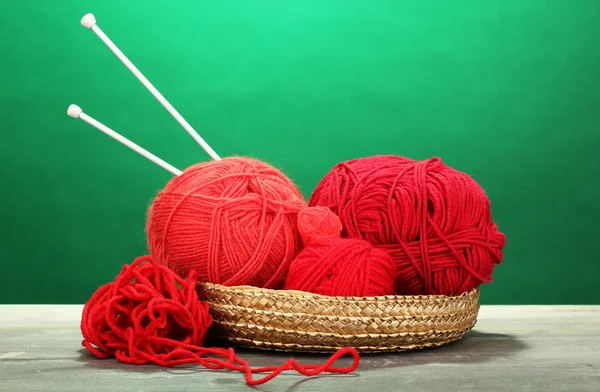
(145, 315)
(233, 221)
(342, 267)
(318, 222)
(434, 221)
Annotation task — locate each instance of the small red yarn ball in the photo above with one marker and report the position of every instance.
(146, 315)
(342, 267)
(434, 221)
(318, 222)
(233, 221)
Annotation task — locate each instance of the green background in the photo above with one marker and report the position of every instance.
(507, 91)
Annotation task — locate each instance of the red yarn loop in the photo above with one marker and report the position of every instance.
(150, 315)
(233, 221)
(342, 267)
(318, 222)
(434, 221)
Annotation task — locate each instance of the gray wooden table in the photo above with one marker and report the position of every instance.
(512, 348)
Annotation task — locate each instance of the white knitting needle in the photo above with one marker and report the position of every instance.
(89, 21)
(76, 112)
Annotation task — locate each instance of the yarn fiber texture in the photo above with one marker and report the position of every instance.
(233, 221)
(434, 221)
(151, 315)
(145, 315)
(318, 222)
(342, 267)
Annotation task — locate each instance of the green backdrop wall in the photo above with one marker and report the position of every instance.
(507, 91)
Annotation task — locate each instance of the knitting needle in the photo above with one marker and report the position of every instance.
(89, 21)
(76, 112)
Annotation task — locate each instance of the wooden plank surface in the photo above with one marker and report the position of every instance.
(512, 348)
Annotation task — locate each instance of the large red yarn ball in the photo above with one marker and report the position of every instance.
(434, 221)
(233, 221)
(342, 267)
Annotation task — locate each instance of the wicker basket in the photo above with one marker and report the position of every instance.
(298, 321)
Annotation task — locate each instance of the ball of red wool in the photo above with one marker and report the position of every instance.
(318, 222)
(342, 267)
(434, 221)
(233, 221)
(148, 314)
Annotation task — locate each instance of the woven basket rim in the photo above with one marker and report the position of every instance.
(334, 317)
(258, 291)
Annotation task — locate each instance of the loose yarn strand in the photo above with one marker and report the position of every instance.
(150, 315)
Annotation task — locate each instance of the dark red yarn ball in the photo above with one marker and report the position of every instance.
(342, 267)
(434, 221)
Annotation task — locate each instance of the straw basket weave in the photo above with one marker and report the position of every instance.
(298, 321)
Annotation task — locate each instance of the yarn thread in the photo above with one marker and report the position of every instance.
(233, 221)
(151, 315)
(434, 221)
(318, 222)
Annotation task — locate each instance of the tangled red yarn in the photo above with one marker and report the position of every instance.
(233, 221)
(318, 222)
(150, 315)
(342, 267)
(434, 221)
